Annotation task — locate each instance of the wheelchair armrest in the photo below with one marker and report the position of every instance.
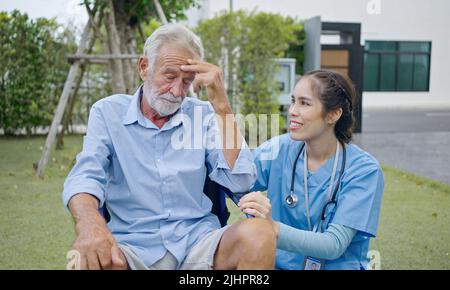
(217, 193)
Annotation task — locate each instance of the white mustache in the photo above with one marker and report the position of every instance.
(170, 98)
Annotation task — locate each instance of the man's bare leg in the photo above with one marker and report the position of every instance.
(249, 244)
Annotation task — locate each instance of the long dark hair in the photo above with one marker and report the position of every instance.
(336, 91)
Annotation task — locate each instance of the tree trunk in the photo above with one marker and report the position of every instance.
(68, 114)
(130, 33)
(126, 31)
(117, 71)
(68, 87)
(72, 98)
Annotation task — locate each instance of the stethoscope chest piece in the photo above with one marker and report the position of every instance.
(291, 200)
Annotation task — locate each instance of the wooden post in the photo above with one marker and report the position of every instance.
(101, 57)
(117, 82)
(130, 66)
(160, 12)
(68, 115)
(72, 97)
(126, 33)
(68, 86)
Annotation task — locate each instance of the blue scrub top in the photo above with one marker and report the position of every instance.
(358, 199)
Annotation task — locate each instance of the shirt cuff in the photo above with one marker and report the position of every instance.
(241, 166)
(93, 189)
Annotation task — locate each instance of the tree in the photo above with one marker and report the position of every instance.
(124, 21)
(246, 44)
(33, 68)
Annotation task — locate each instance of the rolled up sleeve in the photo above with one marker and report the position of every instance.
(239, 179)
(89, 173)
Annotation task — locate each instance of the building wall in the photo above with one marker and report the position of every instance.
(398, 20)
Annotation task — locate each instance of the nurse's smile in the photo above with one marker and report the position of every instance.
(295, 125)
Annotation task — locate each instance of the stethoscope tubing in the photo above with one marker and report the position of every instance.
(333, 198)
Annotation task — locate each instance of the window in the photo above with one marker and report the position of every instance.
(397, 66)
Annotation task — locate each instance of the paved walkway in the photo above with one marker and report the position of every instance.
(417, 142)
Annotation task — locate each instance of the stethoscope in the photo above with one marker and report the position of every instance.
(292, 199)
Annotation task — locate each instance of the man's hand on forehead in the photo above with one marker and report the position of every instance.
(210, 77)
(206, 74)
(196, 66)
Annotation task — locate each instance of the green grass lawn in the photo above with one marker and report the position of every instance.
(36, 231)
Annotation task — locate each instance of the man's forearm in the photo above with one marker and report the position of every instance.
(84, 209)
(95, 244)
(230, 134)
(210, 77)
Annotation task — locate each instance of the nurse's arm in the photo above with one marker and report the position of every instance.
(329, 245)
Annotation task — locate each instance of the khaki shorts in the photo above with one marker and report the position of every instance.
(201, 256)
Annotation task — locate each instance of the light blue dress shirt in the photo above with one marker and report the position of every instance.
(153, 190)
(358, 199)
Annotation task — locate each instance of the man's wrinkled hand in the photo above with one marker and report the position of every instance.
(94, 249)
(210, 77)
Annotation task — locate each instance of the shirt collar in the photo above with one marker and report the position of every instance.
(132, 112)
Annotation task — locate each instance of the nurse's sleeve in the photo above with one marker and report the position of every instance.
(328, 245)
(263, 161)
(359, 199)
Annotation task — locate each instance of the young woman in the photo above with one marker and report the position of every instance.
(324, 193)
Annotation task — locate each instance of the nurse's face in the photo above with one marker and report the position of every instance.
(307, 118)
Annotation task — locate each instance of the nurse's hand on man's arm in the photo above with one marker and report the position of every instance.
(258, 205)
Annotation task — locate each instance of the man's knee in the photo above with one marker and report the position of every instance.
(256, 234)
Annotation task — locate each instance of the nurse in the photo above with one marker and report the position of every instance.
(323, 191)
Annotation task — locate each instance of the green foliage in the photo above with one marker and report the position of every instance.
(147, 30)
(247, 44)
(297, 50)
(173, 9)
(139, 11)
(33, 69)
(143, 14)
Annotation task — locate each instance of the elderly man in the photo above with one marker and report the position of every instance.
(160, 217)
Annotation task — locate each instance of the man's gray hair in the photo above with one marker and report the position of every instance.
(171, 33)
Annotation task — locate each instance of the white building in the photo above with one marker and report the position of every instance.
(407, 43)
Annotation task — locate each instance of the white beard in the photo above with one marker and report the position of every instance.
(165, 105)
